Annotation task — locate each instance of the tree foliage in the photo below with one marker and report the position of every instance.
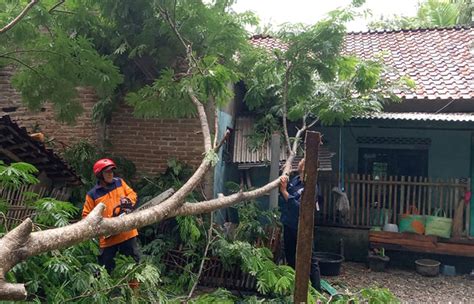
(52, 58)
(312, 80)
(119, 47)
(431, 13)
(169, 58)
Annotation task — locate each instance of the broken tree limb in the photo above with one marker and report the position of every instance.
(274, 164)
(304, 245)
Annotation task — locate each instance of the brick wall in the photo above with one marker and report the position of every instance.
(11, 104)
(150, 143)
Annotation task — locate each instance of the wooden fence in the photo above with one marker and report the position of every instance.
(18, 200)
(374, 202)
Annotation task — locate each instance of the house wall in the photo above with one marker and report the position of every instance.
(449, 152)
(44, 120)
(150, 143)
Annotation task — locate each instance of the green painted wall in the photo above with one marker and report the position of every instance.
(222, 171)
(449, 152)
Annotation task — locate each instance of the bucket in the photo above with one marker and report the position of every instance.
(329, 263)
(378, 263)
(427, 267)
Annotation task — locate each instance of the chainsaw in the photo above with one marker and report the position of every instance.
(126, 206)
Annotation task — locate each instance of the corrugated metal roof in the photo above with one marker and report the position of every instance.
(420, 116)
(247, 158)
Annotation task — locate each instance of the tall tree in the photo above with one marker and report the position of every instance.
(431, 13)
(83, 39)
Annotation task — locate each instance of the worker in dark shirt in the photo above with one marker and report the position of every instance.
(290, 199)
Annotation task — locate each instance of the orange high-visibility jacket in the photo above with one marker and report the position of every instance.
(110, 195)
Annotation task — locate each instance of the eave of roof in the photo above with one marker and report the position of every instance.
(421, 116)
(246, 158)
(17, 145)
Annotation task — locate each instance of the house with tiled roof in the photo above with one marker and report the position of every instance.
(416, 155)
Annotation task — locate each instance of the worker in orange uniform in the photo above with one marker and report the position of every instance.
(119, 199)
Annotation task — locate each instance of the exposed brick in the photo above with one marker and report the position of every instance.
(149, 143)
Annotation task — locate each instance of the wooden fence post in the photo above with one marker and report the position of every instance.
(304, 244)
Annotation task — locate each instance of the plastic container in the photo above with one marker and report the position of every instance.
(390, 227)
(448, 270)
(329, 263)
(427, 267)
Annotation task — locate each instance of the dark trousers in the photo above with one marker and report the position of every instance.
(128, 248)
(289, 239)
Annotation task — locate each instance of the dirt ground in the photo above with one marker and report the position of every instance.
(408, 286)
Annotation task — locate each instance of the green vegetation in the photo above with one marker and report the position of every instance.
(431, 13)
(73, 275)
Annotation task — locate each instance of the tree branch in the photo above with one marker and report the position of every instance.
(56, 6)
(285, 104)
(313, 123)
(187, 45)
(203, 119)
(204, 256)
(227, 201)
(20, 62)
(19, 17)
(216, 126)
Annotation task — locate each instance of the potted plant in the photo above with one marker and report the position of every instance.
(378, 260)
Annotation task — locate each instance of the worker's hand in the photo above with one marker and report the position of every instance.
(283, 183)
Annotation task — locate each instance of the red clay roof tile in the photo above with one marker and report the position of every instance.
(434, 58)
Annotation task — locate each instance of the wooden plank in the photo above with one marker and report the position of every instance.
(384, 204)
(421, 243)
(364, 186)
(441, 196)
(442, 248)
(379, 203)
(430, 197)
(456, 197)
(418, 190)
(304, 244)
(397, 188)
(452, 200)
(413, 192)
(408, 192)
(352, 189)
(390, 201)
(425, 197)
(358, 204)
(372, 201)
(406, 235)
(402, 195)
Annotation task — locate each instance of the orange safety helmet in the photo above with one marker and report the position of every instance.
(103, 164)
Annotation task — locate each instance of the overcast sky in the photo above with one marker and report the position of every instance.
(309, 11)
